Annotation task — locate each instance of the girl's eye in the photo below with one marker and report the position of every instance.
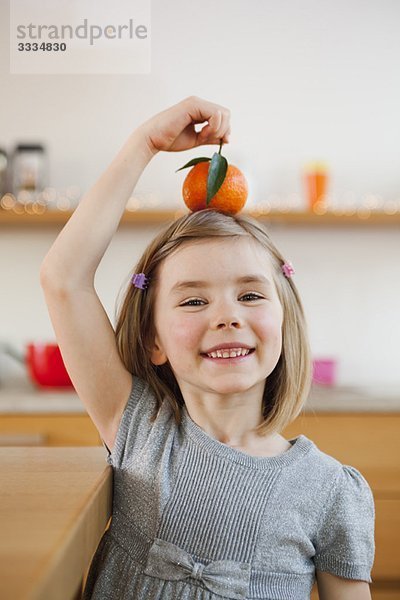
(189, 302)
(255, 296)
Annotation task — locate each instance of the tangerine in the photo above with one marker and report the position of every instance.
(230, 198)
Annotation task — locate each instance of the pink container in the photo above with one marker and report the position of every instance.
(324, 371)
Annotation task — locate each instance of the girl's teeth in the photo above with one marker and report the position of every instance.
(229, 353)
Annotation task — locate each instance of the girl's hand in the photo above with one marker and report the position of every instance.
(173, 129)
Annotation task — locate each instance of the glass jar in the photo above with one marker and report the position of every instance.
(29, 172)
(3, 172)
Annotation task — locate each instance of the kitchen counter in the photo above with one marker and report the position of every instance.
(26, 399)
(31, 400)
(353, 399)
(55, 504)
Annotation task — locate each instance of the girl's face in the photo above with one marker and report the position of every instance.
(192, 318)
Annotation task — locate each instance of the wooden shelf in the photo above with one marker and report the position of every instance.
(131, 218)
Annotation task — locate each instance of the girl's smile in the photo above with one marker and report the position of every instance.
(227, 357)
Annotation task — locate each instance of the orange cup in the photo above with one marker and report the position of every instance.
(316, 181)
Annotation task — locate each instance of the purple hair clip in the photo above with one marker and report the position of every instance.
(140, 280)
(287, 269)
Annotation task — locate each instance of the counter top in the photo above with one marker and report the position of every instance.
(25, 399)
(353, 399)
(55, 504)
(34, 401)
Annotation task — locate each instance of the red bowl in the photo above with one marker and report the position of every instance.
(46, 367)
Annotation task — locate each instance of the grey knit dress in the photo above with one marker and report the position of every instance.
(194, 519)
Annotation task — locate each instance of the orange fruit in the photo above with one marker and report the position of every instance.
(230, 198)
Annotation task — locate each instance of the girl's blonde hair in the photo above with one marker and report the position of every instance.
(286, 388)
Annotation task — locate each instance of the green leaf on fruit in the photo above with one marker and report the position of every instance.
(216, 175)
(193, 162)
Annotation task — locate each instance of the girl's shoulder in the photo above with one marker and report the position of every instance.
(331, 471)
(328, 482)
(341, 491)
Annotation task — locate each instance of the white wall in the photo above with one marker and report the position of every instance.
(304, 80)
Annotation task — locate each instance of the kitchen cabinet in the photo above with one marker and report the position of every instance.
(48, 430)
(44, 417)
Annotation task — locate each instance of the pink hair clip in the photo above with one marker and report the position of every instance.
(140, 280)
(287, 269)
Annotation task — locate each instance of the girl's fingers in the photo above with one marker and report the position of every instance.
(215, 142)
(211, 129)
(225, 129)
(221, 125)
(174, 129)
(215, 123)
(218, 128)
(200, 110)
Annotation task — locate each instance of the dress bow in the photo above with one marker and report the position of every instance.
(227, 578)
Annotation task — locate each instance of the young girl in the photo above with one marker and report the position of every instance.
(209, 362)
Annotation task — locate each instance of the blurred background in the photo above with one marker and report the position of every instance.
(312, 82)
(305, 81)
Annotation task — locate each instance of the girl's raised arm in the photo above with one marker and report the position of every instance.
(83, 330)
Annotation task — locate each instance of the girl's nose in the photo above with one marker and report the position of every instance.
(228, 323)
(222, 322)
(226, 315)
